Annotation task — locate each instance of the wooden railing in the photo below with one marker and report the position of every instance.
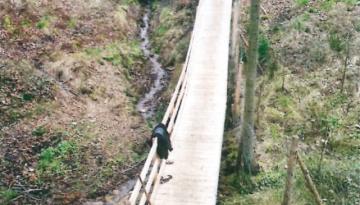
(149, 178)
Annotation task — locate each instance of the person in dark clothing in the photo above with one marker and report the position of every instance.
(163, 140)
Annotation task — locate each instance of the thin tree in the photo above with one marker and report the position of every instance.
(246, 146)
(290, 172)
(236, 58)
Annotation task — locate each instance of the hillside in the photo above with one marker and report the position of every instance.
(83, 83)
(71, 75)
(303, 48)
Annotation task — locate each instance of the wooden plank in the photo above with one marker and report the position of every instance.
(197, 134)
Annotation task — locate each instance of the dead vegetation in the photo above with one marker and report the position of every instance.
(71, 73)
(312, 93)
(69, 129)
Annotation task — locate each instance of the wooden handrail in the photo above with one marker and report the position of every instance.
(143, 173)
(152, 180)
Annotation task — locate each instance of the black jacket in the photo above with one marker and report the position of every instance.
(163, 140)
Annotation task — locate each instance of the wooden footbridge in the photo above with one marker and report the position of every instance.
(194, 118)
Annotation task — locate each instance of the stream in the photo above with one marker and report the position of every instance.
(148, 103)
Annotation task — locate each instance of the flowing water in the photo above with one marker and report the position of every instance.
(148, 102)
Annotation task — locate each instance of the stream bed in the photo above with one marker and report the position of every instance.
(148, 103)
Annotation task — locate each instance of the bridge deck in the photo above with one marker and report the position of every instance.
(198, 132)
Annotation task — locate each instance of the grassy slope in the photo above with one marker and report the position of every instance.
(69, 104)
(308, 38)
(67, 99)
(171, 30)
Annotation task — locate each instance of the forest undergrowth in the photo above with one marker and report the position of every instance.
(308, 86)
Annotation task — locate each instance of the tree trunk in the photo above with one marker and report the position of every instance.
(236, 59)
(290, 172)
(309, 183)
(323, 148)
(235, 28)
(247, 128)
(237, 96)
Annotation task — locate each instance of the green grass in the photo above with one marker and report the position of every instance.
(55, 160)
(39, 131)
(242, 189)
(43, 23)
(264, 49)
(27, 96)
(298, 23)
(351, 2)
(336, 42)
(7, 23)
(275, 131)
(161, 30)
(72, 23)
(327, 5)
(170, 38)
(283, 102)
(337, 182)
(301, 2)
(132, 2)
(6, 195)
(123, 53)
(25, 23)
(160, 112)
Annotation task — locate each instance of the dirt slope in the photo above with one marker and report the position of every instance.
(70, 72)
